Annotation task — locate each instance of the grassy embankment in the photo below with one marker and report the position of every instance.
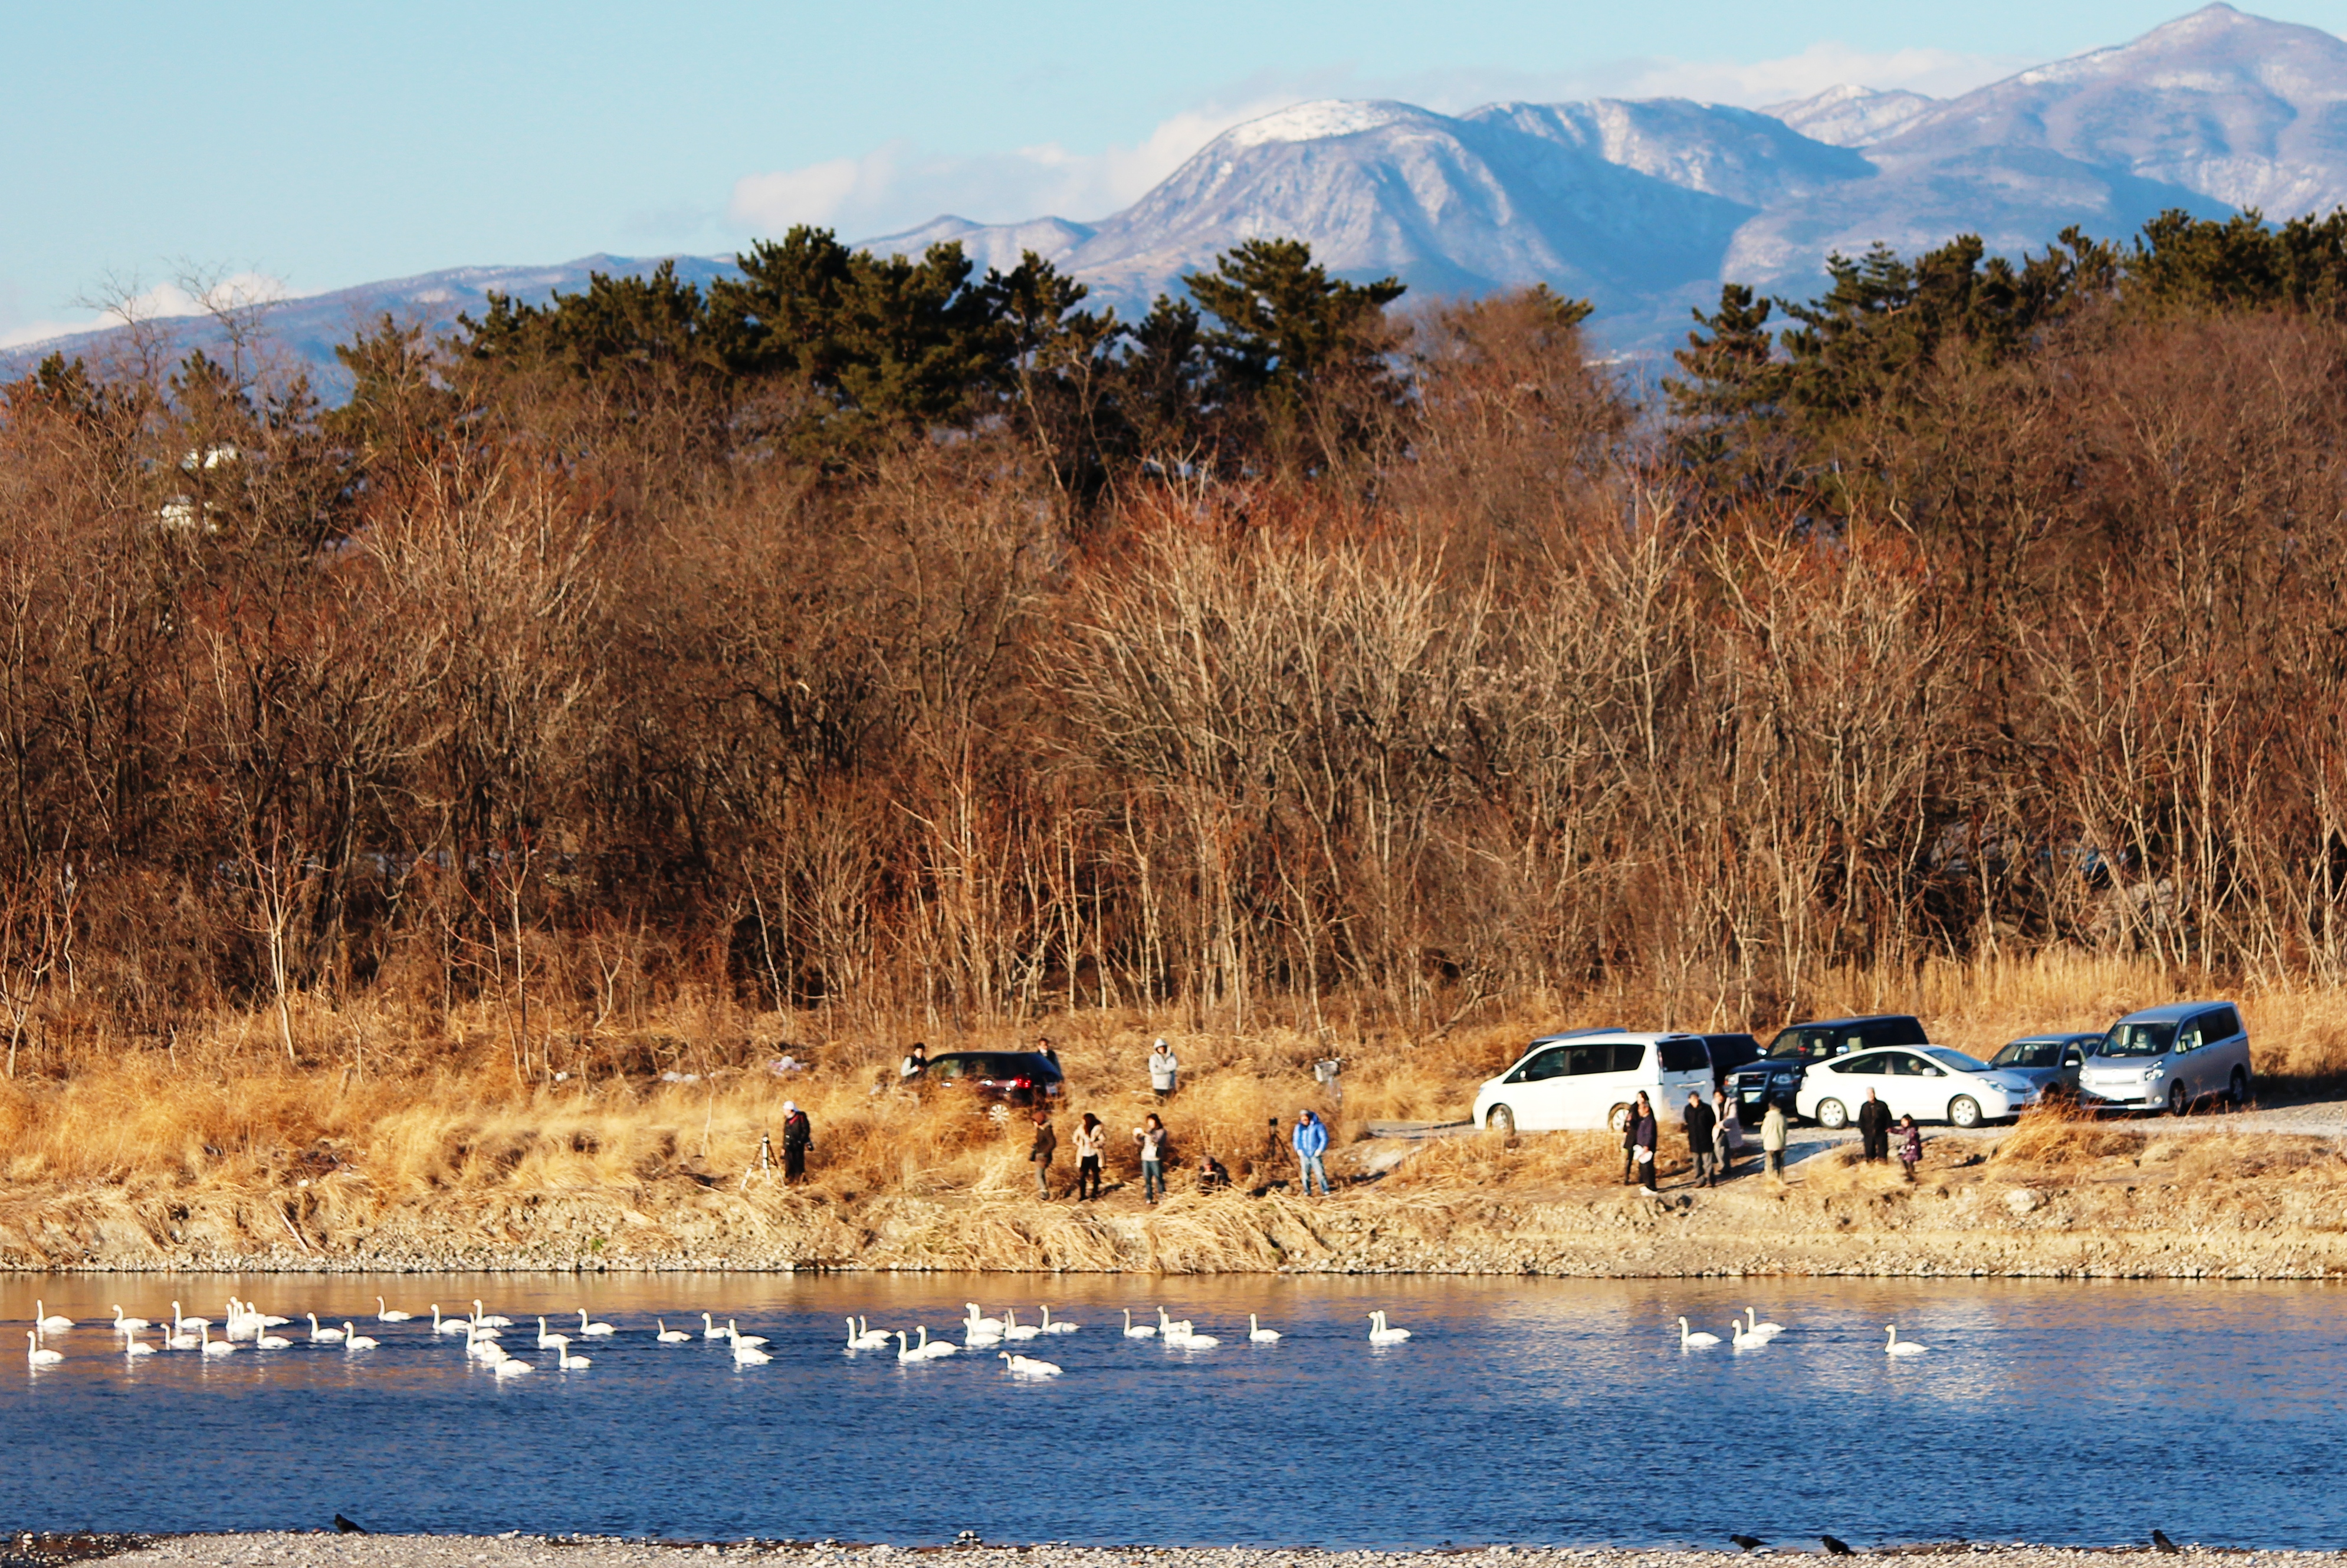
(413, 1142)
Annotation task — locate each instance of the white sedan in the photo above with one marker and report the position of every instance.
(1928, 1082)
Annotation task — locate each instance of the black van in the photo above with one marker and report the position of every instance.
(1778, 1074)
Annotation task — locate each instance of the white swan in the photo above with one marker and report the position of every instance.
(1898, 1347)
(1742, 1339)
(450, 1325)
(1063, 1326)
(266, 1319)
(354, 1340)
(545, 1340)
(389, 1314)
(668, 1336)
(1766, 1330)
(266, 1341)
(1694, 1341)
(1028, 1366)
(750, 1355)
(710, 1331)
(1169, 1330)
(127, 1325)
(47, 1323)
(1258, 1334)
(489, 1320)
(1381, 1334)
(595, 1330)
(211, 1346)
(862, 1336)
(38, 1355)
(734, 1333)
(134, 1346)
(323, 1336)
(565, 1361)
(179, 1323)
(938, 1351)
(904, 1351)
(512, 1366)
(1145, 1331)
(179, 1341)
(1014, 1329)
(1194, 1342)
(982, 1324)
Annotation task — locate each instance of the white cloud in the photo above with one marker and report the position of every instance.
(1937, 73)
(192, 296)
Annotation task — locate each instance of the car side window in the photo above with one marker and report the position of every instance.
(947, 1068)
(2188, 1037)
(1871, 1065)
(1549, 1063)
(2073, 1057)
(1629, 1056)
(2223, 1023)
(1904, 1065)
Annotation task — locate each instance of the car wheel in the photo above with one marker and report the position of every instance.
(2238, 1091)
(1618, 1119)
(1964, 1111)
(2178, 1102)
(1501, 1121)
(1832, 1115)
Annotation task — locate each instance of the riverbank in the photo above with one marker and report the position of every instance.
(322, 1549)
(2055, 1200)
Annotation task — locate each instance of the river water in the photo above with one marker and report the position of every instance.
(1529, 1411)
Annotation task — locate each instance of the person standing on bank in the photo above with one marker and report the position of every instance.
(1702, 1127)
(1151, 1137)
(1911, 1146)
(1874, 1128)
(1772, 1138)
(1046, 1145)
(1726, 1132)
(1163, 1070)
(1091, 1141)
(1643, 1134)
(1310, 1140)
(798, 1137)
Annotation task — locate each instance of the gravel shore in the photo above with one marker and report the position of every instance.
(515, 1551)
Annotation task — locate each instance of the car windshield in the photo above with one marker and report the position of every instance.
(2029, 1053)
(1803, 1044)
(1957, 1060)
(2138, 1040)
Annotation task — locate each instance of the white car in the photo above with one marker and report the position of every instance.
(1928, 1082)
(1588, 1080)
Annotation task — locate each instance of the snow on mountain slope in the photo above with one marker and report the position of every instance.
(1852, 115)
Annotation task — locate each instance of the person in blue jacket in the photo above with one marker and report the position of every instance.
(1311, 1140)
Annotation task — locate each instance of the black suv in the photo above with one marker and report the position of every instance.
(1778, 1075)
(1016, 1077)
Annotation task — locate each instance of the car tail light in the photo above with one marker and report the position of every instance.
(1022, 1083)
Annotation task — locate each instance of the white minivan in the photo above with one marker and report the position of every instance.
(1589, 1080)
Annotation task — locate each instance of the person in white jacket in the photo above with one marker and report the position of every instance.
(1162, 1070)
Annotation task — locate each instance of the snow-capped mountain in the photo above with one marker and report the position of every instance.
(1645, 206)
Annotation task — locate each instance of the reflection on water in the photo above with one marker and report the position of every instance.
(1522, 1410)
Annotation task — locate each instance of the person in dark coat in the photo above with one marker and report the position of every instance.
(1700, 1124)
(1643, 1131)
(1046, 1145)
(798, 1137)
(1874, 1127)
(1910, 1145)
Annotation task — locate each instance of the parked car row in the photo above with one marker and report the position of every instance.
(2170, 1058)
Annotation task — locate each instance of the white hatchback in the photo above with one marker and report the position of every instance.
(1928, 1082)
(1588, 1080)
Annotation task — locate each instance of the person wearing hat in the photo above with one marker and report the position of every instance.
(1163, 1069)
(798, 1136)
(1310, 1140)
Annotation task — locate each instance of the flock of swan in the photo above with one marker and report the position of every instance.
(1748, 1333)
(245, 1324)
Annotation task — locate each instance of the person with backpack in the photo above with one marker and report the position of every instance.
(1310, 1140)
(798, 1137)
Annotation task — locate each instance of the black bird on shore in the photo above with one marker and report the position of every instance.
(348, 1527)
(1746, 1542)
(2159, 1539)
(1835, 1546)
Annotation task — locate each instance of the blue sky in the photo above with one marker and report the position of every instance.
(320, 145)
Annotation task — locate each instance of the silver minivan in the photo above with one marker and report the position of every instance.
(2175, 1056)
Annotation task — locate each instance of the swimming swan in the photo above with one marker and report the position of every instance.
(37, 1354)
(178, 1342)
(1014, 1329)
(1063, 1326)
(596, 1330)
(1028, 1366)
(1145, 1331)
(668, 1336)
(1258, 1334)
(1170, 1329)
(451, 1324)
(734, 1332)
(48, 1324)
(211, 1346)
(709, 1330)
(862, 1336)
(1897, 1348)
(750, 1355)
(134, 1346)
(354, 1340)
(1766, 1330)
(981, 1325)
(389, 1314)
(565, 1361)
(179, 1323)
(127, 1325)
(939, 1351)
(323, 1336)
(271, 1342)
(1691, 1341)
(513, 1367)
(546, 1339)
(904, 1352)
(1380, 1334)
(1741, 1338)
(488, 1320)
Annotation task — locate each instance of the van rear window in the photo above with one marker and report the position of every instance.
(1685, 1053)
